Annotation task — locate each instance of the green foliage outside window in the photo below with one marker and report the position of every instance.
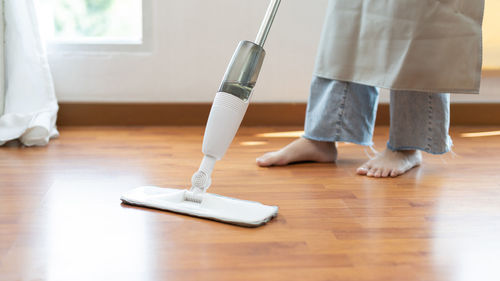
(96, 18)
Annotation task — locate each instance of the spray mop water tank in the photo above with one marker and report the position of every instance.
(243, 70)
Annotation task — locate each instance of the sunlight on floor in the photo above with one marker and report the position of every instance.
(252, 143)
(480, 134)
(291, 134)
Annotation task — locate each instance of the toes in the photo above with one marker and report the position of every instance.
(379, 172)
(261, 162)
(395, 173)
(272, 159)
(266, 160)
(362, 170)
(371, 172)
(389, 164)
(386, 172)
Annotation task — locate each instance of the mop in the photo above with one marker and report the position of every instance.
(226, 114)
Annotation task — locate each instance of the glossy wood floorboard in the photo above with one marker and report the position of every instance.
(61, 217)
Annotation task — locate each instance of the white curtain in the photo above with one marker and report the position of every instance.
(2, 65)
(30, 105)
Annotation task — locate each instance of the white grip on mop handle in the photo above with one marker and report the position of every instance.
(223, 122)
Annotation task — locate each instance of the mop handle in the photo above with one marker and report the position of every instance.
(265, 27)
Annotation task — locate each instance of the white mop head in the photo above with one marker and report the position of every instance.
(212, 206)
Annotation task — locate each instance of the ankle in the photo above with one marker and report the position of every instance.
(320, 143)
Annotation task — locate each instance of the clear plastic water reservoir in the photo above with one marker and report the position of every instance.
(243, 70)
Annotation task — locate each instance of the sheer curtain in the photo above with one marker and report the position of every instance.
(2, 64)
(29, 103)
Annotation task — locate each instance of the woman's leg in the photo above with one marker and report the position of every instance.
(336, 111)
(419, 122)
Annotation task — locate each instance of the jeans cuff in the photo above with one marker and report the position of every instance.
(399, 148)
(336, 139)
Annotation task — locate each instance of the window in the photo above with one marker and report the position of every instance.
(94, 24)
(491, 35)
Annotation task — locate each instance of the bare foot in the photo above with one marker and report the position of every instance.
(300, 150)
(391, 163)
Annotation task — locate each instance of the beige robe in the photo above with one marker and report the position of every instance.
(418, 45)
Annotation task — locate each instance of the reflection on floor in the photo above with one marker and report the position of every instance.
(61, 217)
(480, 134)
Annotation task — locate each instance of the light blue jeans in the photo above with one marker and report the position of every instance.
(340, 111)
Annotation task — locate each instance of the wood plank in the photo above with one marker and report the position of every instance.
(61, 217)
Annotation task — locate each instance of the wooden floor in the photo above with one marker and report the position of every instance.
(61, 217)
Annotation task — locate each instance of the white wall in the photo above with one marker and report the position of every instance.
(192, 43)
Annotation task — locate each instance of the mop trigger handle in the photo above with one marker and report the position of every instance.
(265, 27)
